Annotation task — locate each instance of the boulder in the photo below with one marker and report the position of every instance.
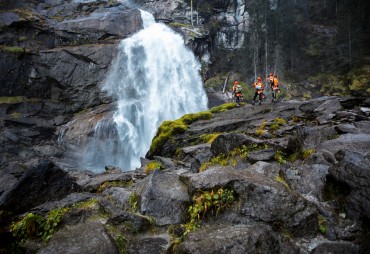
(353, 169)
(102, 25)
(235, 239)
(83, 238)
(353, 142)
(43, 183)
(164, 197)
(336, 248)
(307, 179)
(149, 244)
(260, 198)
(196, 155)
(225, 143)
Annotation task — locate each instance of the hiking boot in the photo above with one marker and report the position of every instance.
(260, 103)
(253, 102)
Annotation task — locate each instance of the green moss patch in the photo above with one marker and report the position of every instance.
(223, 107)
(171, 128)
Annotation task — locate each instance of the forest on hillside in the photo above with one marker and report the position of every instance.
(326, 42)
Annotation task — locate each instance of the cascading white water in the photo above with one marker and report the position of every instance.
(155, 78)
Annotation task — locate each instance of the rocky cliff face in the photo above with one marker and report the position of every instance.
(290, 177)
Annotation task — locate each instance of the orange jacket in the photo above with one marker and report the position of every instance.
(275, 82)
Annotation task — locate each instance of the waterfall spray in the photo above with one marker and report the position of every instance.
(154, 78)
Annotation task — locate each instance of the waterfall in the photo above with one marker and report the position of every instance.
(154, 78)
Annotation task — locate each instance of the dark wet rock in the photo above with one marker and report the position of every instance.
(260, 198)
(353, 169)
(164, 197)
(132, 222)
(44, 183)
(166, 162)
(83, 238)
(347, 128)
(261, 155)
(255, 238)
(69, 200)
(149, 244)
(196, 155)
(308, 179)
(93, 183)
(354, 142)
(336, 248)
(102, 25)
(120, 196)
(225, 143)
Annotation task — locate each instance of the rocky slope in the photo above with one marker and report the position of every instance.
(290, 177)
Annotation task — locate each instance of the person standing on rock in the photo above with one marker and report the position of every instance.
(274, 87)
(260, 87)
(237, 92)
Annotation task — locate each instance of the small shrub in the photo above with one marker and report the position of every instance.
(121, 243)
(279, 157)
(34, 226)
(323, 228)
(153, 166)
(204, 202)
(307, 153)
(134, 201)
(260, 131)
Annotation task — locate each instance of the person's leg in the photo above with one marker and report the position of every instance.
(255, 96)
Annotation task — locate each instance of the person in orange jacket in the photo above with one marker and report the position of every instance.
(237, 92)
(260, 87)
(274, 87)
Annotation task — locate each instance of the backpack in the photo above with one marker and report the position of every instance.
(238, 88)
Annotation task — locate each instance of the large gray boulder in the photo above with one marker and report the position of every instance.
(164, 197)
(260, 198)
(83, 238)
(43, 183)
(353, 169)
(234, 239)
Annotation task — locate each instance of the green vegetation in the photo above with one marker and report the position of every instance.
(204, 202)
(12, 100)
(153, 166)
(281, 180)
(280, 157)
(170, 128)
(278, 122)
(223, 107)
(307, 153)
(15, 115)
(323, 228)
(14, 49)
(232, 157)
(260, 130)
(34, 226)
(134, 202)
(121, 243)
(22, 39)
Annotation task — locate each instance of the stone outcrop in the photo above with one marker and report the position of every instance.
(292, 191)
